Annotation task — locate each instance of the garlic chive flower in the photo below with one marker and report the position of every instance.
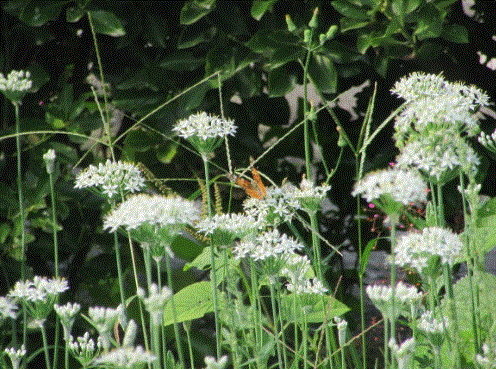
(155, 302)
(152, 219)
(488, 141)
(49, 158)
(38, 296)
(308, 195)
(204, 131)
(215, 364)
(276, 207)
(438, 155)
(125, 358)
(7, 309)
(84, 349)
(223, 229)
(112, 177)
(16, 85)
(104, 319)
(488, 358)
(267, 245)
(404, 352)
(416, 249)
(434, 328)
(432, 103)
(301, 278)
(404, 296)
(16, 355)
(67, 314)
(402, 186)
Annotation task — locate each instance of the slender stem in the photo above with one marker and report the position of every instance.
(173, 306)
(119, 269)
(275, 321)
(213, 278)
(45, 346)
(394, 221)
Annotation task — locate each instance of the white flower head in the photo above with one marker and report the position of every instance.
(49, 158)
(488, 357)
(84, 349)
(15, 86)
(434, 328)
(404, 297)
(148, 215)
(225, 228)
(308, 195)
(415, 249)
(403, 186)
(16, 355)
(125, 358)
(156, 301)
(434, 103)
(7, 309)
(67, 314)
(204, 131)
(104, 319)
(403, 352)
(215, 364)
(112, 177)
(301, 278)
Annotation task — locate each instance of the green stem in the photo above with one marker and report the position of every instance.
(173, 306)
(119, 269)
(213, 278)
(45, 346)
(275, 321)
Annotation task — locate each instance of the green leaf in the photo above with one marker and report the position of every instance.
(107, 23)
(37, 13)
(285, 54)
(192, 302)
(74, 14)
(347, 24)
(138, 140)
(430, 24)
(5, 229)
(455, 33)
(165, 153)
(194, 10)
(323, 73)
(181, 61)
(39, 76)
(366, 254)
(260, 7)
(154, 29)
(313, 310)
(348, 9)
(404, 7)
(280, 81)
(195, 34)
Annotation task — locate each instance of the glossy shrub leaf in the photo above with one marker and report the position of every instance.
(348, 9)
(155, 30)
(74, 14)
(107, 23)
(455, 33)
(323, 73)
(37, 13)
(347, 24)
(404, 7)
(194, 10)
(181, 61)
(260, 7)
(430, 24)
(280, 82)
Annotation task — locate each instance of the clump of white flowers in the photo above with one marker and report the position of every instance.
(403, 186)
(416, 249)
(223, 229)
(204, 131)
(15, 85)
(111, 178)
(15, 355)
(404, 297)
(125, 358)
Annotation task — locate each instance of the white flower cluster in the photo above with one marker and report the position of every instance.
(238, 225)
(15, 355)
(404, 297)
(7, 309)
(266, 245)
(488, 141)
(431, 100)
(155, 302)
(404, 186)
(204, 126)
(300, 275)
(415, 249)
(16, 81)
(429, 324)
(125, 358)
(40, 289)
(84, 349)
(215, 364)
(111, 177)
(438, 153)
(67, 314)
(403, 352)
(308, 195)
(103, 319)
(155, 211)
(276, 207)
(488, 358)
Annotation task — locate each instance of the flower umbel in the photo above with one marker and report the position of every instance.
(112, 177)
(16, 85)
(125, 358)
(204, 131)
(15, 355)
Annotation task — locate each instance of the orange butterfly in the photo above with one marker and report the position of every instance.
(255, 188)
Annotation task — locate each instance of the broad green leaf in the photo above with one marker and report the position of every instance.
(154, 28)
(323, 73)
(310, 308)
(195, 34)
(192, 302)
(280, 81)
(363, 43)
(138, 140)
(37, 13)
(260, 7)
(455, 33)
(181, 61)
(194, 10)
(39, 76)
(183, 247)
(165, 153)
(430, 24)
(347, 24)
(285, 54)
(74, 14)
(107, 23)
(5, 229)
(404, 7)
(366, 255)
(348, 9)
